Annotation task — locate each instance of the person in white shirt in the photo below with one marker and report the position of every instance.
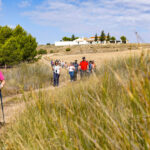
(56, 73)
(71, 70)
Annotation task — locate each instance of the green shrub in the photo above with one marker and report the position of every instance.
(51, 51)
(68, 49)
(42, 51)
(48, 44)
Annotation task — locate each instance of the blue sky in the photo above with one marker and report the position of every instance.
(50, 20)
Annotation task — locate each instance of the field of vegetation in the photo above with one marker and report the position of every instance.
(27, 77)
(97, 48)
(109, 110)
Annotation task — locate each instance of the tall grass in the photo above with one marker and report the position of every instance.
(110, 110)
(26, 77)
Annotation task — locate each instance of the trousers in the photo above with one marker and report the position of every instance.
(56, 79)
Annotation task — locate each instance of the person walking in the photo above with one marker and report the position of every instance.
(52, 63)
(2, 82)
(56, 73)
(71, 69)
(76, 65)
(90, 67)
(83, 67)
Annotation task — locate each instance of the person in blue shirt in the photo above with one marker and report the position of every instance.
(90, 67)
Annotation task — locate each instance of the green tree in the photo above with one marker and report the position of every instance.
(66, 39)
(123, 39)
(103, 36)
(19, 31)
(108, 37)
(113, 38)
(10, 52)
(27, 45)
(96, 38)
(5, 33)
(73, 37)
(16, 45)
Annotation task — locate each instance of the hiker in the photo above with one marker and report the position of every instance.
(76, 65)
(56, 73)
(2, 82)
(71, 69)
(52, 63)
(90, 67)
(83, 67)
(62, 64)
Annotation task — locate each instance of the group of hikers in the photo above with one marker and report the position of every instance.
(84, 67)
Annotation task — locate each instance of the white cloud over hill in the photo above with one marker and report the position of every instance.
(92, 15)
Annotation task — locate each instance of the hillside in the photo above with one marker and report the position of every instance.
(80, 49)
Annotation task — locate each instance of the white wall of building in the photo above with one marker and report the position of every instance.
(70, 43)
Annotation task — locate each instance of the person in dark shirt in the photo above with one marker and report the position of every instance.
(76, 65)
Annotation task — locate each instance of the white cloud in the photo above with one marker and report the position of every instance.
(24, 3)
(92, 16)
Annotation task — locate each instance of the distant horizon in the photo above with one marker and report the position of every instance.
(49, 20)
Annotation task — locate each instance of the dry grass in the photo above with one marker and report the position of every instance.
(108, 111)
(26, 77)
(99, 58)
(98, 48)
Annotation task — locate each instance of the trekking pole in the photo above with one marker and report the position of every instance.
(2, 107)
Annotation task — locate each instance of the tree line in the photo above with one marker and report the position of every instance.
(72, 38)
(103, 37)
(16, 46)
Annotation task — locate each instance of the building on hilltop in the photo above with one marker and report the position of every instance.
(86, 41)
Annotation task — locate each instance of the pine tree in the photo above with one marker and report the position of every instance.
(108, 37)
(102, 37)
(16, 45)
(96, 38)
(73, 37)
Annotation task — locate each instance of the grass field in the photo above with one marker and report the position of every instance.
(109, 110)
(26, 77)
(98, 48)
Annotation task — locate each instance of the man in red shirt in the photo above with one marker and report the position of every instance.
(83, 67)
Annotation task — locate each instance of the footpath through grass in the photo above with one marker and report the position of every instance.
(110, 110)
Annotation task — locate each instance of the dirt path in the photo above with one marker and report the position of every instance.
(12, 107)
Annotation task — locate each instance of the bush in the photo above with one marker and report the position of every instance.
(51, 51)
(68, 49)
(42, 51)
(48, 44)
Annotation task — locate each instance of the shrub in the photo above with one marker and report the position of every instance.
(51, 51)
(68, 49)
(42, 51)
(48, 44)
